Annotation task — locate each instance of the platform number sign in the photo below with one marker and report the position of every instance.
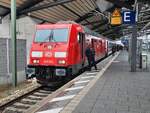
(129, 17)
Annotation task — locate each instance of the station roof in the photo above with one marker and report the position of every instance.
(85, 12)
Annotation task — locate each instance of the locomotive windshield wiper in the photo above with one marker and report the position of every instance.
(51, 36)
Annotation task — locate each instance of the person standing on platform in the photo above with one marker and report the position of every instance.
(93, 58)
(88, 54)
(113, 50)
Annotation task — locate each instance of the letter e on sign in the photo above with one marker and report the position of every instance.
(129, 17)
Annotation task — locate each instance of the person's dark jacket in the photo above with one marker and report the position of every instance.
(93, 55)
(88, 52)
(93, 52)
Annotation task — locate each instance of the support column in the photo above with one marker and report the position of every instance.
(134, 41)
(133, 49)
(13, 40)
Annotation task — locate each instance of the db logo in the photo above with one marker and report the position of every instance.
(48, 54)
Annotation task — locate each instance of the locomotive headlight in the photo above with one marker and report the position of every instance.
(37, 54)
(49, 47)
(61, 62)
(36, 61)
(60, 54)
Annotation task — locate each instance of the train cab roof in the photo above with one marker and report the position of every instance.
(49, 26)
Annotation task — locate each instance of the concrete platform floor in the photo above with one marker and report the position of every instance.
(117, 91)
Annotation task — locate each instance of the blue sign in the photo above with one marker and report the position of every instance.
(129, 17)
(125, 41)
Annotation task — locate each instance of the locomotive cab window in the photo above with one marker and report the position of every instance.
(52, 35)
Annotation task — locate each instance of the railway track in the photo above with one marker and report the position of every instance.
(24, 102)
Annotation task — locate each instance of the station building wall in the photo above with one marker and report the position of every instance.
(25, 32)
(5, 60)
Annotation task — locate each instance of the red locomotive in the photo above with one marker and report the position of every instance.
(58, 50)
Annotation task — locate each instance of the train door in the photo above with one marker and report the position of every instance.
(94, 46)
(82, 45)
(106, 47)
(101, 46)
(93, 43)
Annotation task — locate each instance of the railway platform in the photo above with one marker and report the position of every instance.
(113, 90)
(117, 91)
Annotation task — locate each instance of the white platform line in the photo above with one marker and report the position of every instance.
(74, 88)
(91, 73)
(62, 98)
(85, 77)
(84, 81)
(56, 110)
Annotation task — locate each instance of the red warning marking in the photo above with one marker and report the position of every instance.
(116, 13)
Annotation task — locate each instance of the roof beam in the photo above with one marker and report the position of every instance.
(111, 31)
(47, 5)
(95, 22)
(28, 4)
(88, 15)
(70, 10)
(113, 37)
(116, 35)
(144, 11)
(100, 24)
(43, 20)
(4, 7)
(74, 12)
(114, 29)
(103, 29)
(100, 30)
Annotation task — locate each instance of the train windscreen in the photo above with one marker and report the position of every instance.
(52, 35)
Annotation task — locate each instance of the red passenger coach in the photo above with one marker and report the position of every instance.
(58, 51)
